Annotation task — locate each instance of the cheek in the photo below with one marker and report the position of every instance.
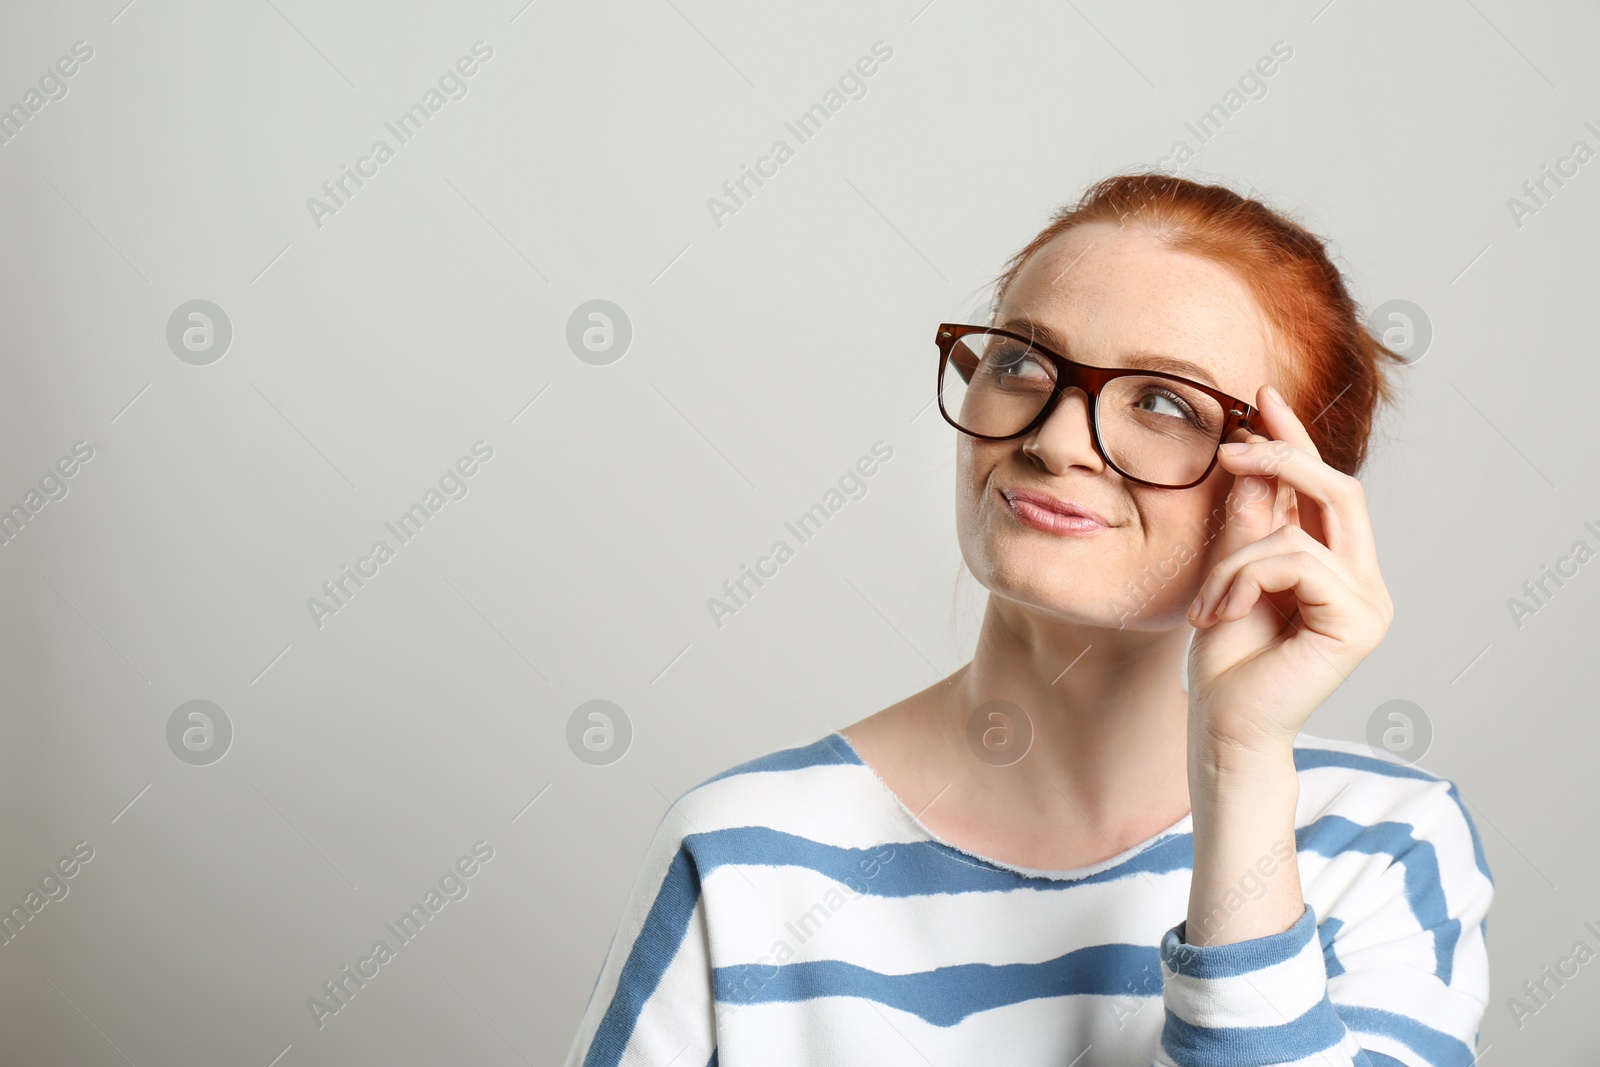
(976, 462)
(971, 475)
(1193, 518)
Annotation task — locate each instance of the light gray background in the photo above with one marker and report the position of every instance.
(369, 353)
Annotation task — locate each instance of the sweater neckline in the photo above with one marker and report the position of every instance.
(1183, 825)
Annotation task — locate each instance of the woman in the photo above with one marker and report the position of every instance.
(1105, 839)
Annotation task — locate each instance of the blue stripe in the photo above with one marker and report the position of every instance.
(826, 751)
(1334, 834)
(1210, 962)
(918, 868)
(1312, 758)
(1317, 1030)
(1436, 1046)
(946, 995)
(910, 868)
(1328, 931)
(652, 953)
(834, 750)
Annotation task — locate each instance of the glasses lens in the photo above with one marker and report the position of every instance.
(1154, 429)
(994, 385)
(1159, 430)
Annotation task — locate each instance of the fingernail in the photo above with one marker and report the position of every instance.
(1195, 607)
(1221, 604)
(1276, 396)
(1234, 448)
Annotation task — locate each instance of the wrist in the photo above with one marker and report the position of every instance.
(1222, 769)
(1253, 751)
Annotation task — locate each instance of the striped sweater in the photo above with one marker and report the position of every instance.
(792, 911)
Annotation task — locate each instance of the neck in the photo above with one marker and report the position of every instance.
(1107, 710)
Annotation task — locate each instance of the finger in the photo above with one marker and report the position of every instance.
(1248, 511)
(1281, 423)
(1341, 501)
(1284, 510)
(1248, 506)
(1285, 540)
(1327, 605)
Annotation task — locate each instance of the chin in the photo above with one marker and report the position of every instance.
(1040, 578)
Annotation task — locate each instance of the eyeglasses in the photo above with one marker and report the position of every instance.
(1152, 428)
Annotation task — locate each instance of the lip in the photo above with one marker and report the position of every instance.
(1052, 514)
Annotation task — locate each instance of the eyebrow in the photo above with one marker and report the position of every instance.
(1143, 360)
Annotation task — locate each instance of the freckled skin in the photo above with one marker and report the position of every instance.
(1109, 291)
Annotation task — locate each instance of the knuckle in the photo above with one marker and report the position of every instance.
(1291, 534)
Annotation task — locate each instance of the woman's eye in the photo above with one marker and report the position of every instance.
(1174, 407)
(1020, 364)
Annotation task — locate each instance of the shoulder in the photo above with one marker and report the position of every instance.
(1355, 764)
(1399, 882)
(790, 764)
(1357, 798)
(786, 773)
(817, 792)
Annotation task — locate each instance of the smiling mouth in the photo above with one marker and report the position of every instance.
(1049, 514)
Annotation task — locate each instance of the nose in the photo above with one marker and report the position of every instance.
(1066, 438)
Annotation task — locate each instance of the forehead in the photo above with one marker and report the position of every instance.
(1109, 292)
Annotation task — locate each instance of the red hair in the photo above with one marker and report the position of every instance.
(1335, 379)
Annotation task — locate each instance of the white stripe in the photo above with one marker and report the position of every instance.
(880, 933)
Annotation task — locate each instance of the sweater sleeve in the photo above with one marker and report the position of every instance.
(1401, 978)
(653, 1000)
